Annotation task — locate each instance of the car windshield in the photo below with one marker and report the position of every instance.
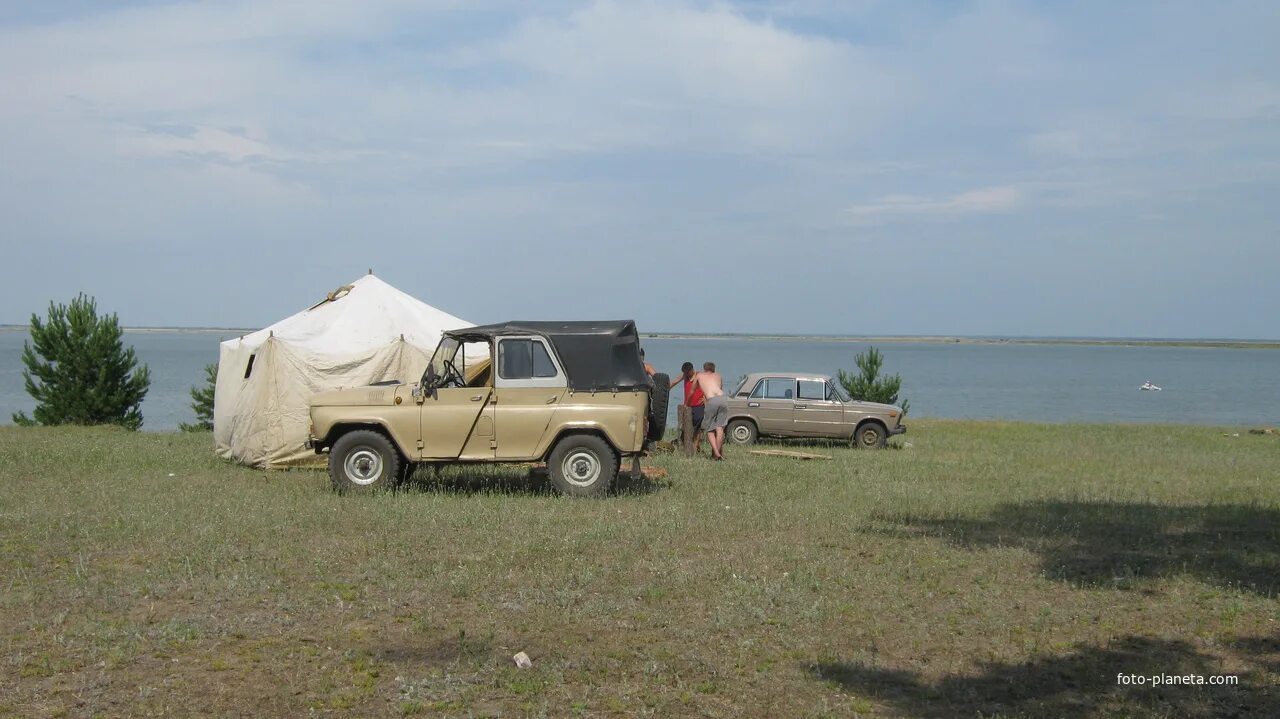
(837, 391)
(445, 352)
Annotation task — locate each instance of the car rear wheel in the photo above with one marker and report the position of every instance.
(870, 435)
(743, 431)
(582, 465)
(365, 461)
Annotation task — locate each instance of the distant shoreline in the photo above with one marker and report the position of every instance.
(940, 339)
(848, 339)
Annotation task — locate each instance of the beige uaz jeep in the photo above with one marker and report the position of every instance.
(572, 394)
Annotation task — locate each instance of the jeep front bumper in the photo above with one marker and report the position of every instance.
(900, 429)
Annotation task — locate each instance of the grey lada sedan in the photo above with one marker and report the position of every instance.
(794, 404)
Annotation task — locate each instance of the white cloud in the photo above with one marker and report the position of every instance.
(984, 200)
(210, 142)
(608, 77)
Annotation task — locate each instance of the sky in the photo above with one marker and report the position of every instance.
(788, 166)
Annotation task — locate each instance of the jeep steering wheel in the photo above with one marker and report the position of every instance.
(452, 377)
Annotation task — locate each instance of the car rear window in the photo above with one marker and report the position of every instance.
(774, 388)
(813, 389)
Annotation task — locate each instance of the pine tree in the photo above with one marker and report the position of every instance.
(868, 386)
(78, 370)
(202, 402)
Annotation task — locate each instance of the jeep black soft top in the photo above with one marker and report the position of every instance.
(598, 355)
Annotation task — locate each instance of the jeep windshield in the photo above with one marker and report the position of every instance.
(441, 361)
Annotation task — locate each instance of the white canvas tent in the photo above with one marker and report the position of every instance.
(362, 333)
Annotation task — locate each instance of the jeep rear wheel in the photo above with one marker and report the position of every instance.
(582, 465)
(659, 397)
(742, 431)
(364, 461)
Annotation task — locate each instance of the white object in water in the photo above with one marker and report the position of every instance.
(1148, 386)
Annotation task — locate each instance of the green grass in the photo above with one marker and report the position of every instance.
(990, 569)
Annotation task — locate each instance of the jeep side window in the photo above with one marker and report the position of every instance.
(813, 389)
(542, 364)
(524, 359)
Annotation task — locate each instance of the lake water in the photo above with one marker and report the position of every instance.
(1052, 383)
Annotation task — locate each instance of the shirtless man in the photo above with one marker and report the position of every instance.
(717, 408)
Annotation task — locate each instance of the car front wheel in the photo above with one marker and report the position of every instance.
(869, 435)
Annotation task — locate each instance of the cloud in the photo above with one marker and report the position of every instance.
(979, 201)
(198, 142)
(606, 123)
(604, 77)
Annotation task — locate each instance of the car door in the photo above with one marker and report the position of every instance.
(772, 403)
(817, 414)
(449, 416)
(528, 387)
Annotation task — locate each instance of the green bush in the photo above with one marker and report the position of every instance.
(867, 385)
(78, 370)
(202, 402)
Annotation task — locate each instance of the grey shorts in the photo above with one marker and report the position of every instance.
(717, 413)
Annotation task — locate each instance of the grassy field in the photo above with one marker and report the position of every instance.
(990, 569)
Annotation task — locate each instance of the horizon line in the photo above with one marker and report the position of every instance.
(660, 334)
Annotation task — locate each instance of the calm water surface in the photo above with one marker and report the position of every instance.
(1053, 383)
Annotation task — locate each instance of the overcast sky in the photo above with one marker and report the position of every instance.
(838, 167)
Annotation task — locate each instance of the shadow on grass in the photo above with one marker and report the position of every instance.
(1114, 544)
(1082, 683)
(491, 479)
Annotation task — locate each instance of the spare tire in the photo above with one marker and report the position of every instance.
(659, 393)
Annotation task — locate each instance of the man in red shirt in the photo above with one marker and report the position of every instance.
(694, 399)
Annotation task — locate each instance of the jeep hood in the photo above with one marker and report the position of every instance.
(367, 396)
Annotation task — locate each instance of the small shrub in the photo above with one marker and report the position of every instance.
(202, 402)
(78, 370)
(868, 386)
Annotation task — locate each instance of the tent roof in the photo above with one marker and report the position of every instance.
(367, 315)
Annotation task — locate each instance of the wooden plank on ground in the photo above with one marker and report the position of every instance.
(788, 453)
(652, 473)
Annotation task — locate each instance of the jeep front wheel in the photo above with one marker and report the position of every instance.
(364, 461)
(582, 465)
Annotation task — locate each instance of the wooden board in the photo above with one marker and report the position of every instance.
(788, 453)
(652, 473)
